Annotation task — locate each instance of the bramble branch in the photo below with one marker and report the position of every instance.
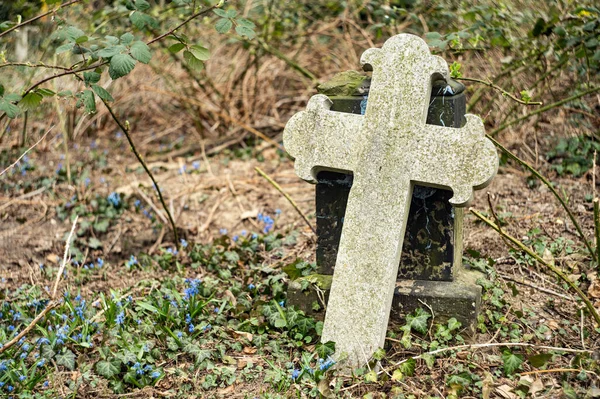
(125, 130)
(501, 90)
(38, 17)
(552, 189)
(538, 258)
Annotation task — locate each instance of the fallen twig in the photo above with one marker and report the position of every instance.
(26, 151)
(65, 257)
(487, 345)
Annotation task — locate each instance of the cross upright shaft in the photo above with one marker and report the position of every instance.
(388, 150)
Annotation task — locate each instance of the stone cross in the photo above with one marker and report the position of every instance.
(388, 150)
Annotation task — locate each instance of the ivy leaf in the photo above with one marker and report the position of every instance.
(141, 52)
(453, 324)
(67, 359)
(397, 375)
(512, 362)
(371, 376)
(94, 243)
(245, 31)
(108, 369)
(201, 53)
(223, 25)
(192, 61)
(539, 360)
(102, 93)
(31, 101)
(120, 65)
(408, 367)
(177, 47)
(418, 320)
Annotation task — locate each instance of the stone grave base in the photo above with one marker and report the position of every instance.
(460, 298)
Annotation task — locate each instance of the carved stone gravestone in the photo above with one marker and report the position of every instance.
(388, 151)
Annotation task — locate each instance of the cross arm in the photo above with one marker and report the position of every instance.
(321, 139)
(462, 159)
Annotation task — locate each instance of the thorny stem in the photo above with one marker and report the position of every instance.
(141, 161)
(552, 189)
(501, 90)
(538, 258)
(38, 17)
(196, 15)
(38, 65)
(543, 109)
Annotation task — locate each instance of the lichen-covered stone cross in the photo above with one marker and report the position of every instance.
(388, 150)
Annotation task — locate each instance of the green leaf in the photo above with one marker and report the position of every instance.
(512, 362)
(141, 52)
(223, 25)
(379, 354)
(408, 367)
(200, 52)
(371, 376)
(12, 97)
(91, 77)
(74, 33)
(453, 324)
(192, 61)
(397, 375)
(111, 51)
(108, 369)
(429, 360)
(120, 65)
(539, 360)
(177, 47)
(220, 12)
(1, 90)
(31, 101)
(245, 31)
(246, 23)
(45, 92)
(10, 109)
(418, 320)
(88, 100)
(231, 13)
(280, 323)
(141, 20)
(67, 359)
(142, 5)
(147, 306)
(94, 243)
(102, 93)
(64, 48)
(65, 93)
(127, 38)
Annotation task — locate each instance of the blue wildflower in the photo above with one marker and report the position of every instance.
(99, 262)
(184, 243)
(120, 318)
(155, 374)
(295, 374)
(179, 334)
(115, 199)
(223, 231)
(191, 328)
(251, 286)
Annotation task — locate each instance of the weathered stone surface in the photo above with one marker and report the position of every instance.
(388, 150)
(345, 83)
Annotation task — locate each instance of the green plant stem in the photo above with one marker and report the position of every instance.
(501, 90)
(286, 195)
(552, 189)
(193, 16)
(597, 228)
(38, 17)
(543, 109)
(538, 258)
(125, 130)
